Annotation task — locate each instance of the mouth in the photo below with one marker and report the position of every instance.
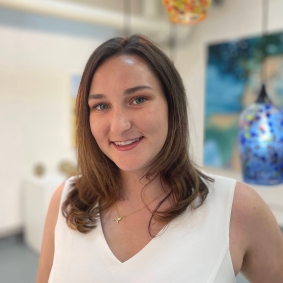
(128, 142)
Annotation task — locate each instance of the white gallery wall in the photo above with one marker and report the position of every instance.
(38, 56)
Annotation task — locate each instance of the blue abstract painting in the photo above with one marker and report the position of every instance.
(234, 73)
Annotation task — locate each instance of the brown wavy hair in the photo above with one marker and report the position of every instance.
(98, 186)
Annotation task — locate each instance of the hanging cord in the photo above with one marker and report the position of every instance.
(172, 41)
(127, 18)
(263, 97)
(264, 39)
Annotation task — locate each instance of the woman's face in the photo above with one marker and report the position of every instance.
(128, 112)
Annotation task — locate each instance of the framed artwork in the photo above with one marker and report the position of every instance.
(233, 81)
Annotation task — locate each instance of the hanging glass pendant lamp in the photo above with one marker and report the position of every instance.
(186, 11)
(261, 142)
(261, 138)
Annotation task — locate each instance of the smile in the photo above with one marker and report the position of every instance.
(124, 143)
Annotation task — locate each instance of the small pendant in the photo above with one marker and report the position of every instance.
(118, 218)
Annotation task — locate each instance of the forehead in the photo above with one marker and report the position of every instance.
(124, 59)
(123, 68)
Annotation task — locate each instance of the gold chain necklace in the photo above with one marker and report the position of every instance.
(119, 217)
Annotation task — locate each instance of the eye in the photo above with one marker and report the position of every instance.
(139, 100)
(100, 107)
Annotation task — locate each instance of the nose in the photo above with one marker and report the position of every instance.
(120, 121)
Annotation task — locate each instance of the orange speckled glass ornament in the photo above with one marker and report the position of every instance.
(186, 11)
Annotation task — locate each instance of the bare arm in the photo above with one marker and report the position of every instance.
(259, 235)
(47, 248)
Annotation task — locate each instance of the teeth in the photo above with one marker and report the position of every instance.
(127, 142)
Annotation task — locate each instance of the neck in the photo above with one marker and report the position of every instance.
(135, 187)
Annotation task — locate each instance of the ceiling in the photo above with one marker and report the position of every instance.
(137, 7)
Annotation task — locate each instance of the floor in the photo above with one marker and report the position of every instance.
(18, 263)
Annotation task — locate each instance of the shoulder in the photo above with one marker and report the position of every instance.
(255, 237)
(247, 204)
(55, 201)
(249, 209)
(47, 248)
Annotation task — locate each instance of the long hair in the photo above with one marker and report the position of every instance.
(98, 186)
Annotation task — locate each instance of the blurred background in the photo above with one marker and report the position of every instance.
(44, 46)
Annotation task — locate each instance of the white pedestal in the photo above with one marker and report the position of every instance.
(37, 193)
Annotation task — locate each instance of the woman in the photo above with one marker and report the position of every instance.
(140, 210)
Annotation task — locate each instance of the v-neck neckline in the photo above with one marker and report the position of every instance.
(135, 256)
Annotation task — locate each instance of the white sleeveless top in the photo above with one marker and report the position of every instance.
(193, 248)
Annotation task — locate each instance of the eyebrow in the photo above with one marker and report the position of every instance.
(127, 91)
(96, 96)
(136, 88)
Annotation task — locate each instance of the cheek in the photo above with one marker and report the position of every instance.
(92, 126)
(97, 129)
(162, 124)
(156, 121)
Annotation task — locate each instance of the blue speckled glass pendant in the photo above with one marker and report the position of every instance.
(261, 142)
